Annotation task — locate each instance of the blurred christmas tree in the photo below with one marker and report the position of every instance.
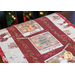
(27, 15)
(10, 17)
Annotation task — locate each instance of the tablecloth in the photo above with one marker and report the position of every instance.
(42, 41)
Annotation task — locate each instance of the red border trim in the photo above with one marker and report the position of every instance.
(65, 19)
(2, 55)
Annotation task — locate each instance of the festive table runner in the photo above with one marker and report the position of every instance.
(39, 41)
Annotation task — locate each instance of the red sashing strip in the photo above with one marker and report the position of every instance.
(3, 56)
(65, 19)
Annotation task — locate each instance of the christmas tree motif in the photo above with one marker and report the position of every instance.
(44, 40)
(29, 27)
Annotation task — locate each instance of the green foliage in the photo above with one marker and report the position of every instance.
(43, 40)
(9, 18)
(27, 14)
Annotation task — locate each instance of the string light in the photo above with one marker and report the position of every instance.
(9, 13)
(30, 14)
(41, 13)
(12, 16)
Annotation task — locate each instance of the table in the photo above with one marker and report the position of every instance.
(69, 15)
(51, 33)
